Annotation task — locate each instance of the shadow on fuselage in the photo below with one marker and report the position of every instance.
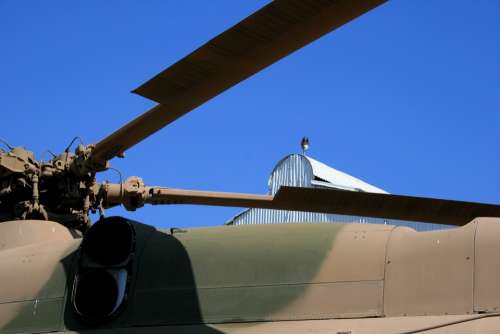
(156, 251)
(139, 314)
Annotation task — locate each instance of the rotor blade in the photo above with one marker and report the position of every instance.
(181, 196)
(431, 210)
(273, 32)
(366, 204)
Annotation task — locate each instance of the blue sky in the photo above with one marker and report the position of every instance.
(406, 97)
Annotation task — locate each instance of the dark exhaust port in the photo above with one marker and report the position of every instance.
(109, 242)
(104, 269)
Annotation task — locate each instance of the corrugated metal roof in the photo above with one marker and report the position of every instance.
(339, 179)
(302, 171)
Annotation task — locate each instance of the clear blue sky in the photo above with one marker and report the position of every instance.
(406, 97)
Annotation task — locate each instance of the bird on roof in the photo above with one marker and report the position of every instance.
(304, 144)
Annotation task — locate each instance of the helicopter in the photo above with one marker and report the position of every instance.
(59, 272)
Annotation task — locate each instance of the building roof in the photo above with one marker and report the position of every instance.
(327, 176)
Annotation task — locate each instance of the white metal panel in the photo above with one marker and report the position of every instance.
(339, 179)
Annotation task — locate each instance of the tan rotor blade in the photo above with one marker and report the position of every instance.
(273, 32)
(388, 206)
(336, 201)
(180, 196)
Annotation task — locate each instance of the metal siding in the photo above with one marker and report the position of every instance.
(296, 170)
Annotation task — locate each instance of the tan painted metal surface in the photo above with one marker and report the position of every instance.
(397, 325)
(30, 252)
(33, 277)
(487, 265)
(430, 272)
(358, 254)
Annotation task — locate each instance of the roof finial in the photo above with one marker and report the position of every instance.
(304, 144)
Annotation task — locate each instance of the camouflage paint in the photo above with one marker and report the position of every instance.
(205, 275)
(238, 274)
(186, 279)
(34, 257)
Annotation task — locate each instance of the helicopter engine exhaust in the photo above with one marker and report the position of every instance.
(104, 270)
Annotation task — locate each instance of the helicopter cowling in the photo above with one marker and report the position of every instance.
(104, 270)
(36, 259)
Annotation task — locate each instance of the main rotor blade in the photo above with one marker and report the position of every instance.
(273, 32)
(366, 204)
(423, 209)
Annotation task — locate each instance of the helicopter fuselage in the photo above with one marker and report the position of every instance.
(245, 279)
